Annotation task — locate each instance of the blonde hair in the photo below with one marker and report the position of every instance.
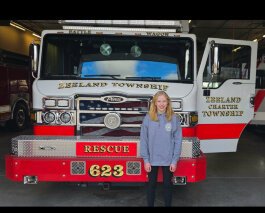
(153, 109)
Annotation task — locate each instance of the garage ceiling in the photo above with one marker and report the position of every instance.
(231, 29)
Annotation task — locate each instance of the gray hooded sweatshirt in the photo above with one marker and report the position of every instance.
(160, 141)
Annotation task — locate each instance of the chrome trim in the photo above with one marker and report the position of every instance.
(57, 113)
(103, 125)
(103, 112)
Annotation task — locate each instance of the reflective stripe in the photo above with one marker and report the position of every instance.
(219, 131)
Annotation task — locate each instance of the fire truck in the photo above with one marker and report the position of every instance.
(15, 90)
(93, 87)
(259, 107)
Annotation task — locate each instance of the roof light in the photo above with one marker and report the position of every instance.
(178, 25)
(118, 29)
(172, 23)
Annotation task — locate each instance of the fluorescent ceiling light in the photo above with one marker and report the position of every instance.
(36, 35)
(17, 26)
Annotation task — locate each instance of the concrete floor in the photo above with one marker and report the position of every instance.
(233, 179)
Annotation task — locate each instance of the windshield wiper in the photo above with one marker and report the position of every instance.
(144, 78)
(112, 76)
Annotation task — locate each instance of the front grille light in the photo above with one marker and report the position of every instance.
(49, 102)
(63, 103)
(49, 117)
(65, 117)
(177, 105)
(55, 117)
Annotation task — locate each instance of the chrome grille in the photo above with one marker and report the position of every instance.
(132, 104)
(91, 111)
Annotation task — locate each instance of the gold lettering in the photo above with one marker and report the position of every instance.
(130, 85)
(103, 148)
(95, 149)
(74, 84)
(110, 149)
(126, 149)
(165, 87)
(117, 148)
(61, 86)
(157, 33)
(68, 85)
(222, 113)
(87, 148)
(153, 86)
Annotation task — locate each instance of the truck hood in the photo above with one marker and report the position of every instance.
(73, 87)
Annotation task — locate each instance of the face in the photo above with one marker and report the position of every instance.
(161, 103)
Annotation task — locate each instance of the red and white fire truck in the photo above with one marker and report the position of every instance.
(259, 106)
(94, 84)
(15, 89)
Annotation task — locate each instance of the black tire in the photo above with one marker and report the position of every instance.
(20, 118)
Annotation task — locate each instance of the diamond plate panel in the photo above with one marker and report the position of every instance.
(133, 168)
(78, 167)
(190, 148)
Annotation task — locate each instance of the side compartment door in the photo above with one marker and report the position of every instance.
(226, 88)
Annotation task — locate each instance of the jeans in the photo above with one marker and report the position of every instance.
(167, 185)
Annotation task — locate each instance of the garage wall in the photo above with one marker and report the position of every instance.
(15, 40)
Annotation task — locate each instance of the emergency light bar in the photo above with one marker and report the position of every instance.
(177, 25)
(118, 29)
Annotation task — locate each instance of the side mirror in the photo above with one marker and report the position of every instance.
(214, 58)
(34, 55)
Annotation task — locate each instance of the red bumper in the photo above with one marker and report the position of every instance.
(94, 169)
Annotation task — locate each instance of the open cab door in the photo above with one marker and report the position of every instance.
(226, 90)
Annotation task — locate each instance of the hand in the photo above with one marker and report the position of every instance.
(173, 167)
(147, 167)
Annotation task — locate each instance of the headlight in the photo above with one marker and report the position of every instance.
(49, 103)
(63, 103)
(49, 117)
(65, 117)
(176, 104)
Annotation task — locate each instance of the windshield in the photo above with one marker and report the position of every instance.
(117, 57)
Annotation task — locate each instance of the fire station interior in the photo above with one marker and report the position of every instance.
(232, 178)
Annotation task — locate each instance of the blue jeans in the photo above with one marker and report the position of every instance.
(167, 185)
